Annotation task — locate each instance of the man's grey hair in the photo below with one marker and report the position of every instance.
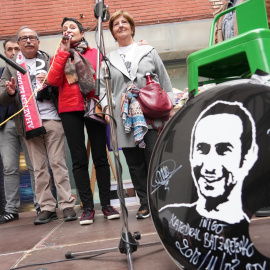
(25, 27)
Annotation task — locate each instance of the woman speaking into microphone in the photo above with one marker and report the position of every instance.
(128, 66)
(73, 67)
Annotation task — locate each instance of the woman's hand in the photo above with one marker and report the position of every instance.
(172, 112)
(65, 44)
(107, 117)
(11, 86)
(143, 42)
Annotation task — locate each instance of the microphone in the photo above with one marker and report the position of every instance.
(65, 37)
(13, 64)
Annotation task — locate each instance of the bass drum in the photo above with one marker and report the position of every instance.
(208, 175)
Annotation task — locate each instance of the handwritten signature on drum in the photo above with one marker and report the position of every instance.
(162, 174)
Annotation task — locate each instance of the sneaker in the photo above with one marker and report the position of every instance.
(87, 216)
(7, 217)
(69, 214)
(109, 212)
(143, 212)
(45, 217)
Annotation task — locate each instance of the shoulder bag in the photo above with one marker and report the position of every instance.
(93, 111)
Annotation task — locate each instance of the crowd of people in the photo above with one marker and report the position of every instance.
(60, 87)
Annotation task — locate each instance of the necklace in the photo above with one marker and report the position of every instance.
(125, 49)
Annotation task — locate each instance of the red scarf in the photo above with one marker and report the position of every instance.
(32, 120)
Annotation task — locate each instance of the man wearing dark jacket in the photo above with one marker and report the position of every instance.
(39, 124)
(10, 143)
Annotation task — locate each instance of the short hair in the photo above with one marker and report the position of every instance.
(127, 16)
(73, 20)
(248, 136)
(25, 27)
(11, 39)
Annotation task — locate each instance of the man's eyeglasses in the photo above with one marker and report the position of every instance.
(25, 38)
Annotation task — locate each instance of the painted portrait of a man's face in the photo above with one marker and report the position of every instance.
(214, 159)
(223, 150)
(217, 153)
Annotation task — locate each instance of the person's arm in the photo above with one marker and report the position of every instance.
(218, 37)
(8, 89)
(164, 79)
(103, 96)
(57, 71)
(267, 5)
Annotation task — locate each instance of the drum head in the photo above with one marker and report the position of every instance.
(208, 175)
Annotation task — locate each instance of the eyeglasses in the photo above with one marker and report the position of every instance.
(25, 38)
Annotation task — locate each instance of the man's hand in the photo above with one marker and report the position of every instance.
(40, 77)
(11, 86)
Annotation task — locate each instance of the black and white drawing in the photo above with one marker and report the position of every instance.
(223, 149)
(211, 176)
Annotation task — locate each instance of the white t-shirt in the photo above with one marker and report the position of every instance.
(127, 55)
(46, 108)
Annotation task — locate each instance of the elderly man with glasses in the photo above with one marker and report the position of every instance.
(10, 144)
(39, 124)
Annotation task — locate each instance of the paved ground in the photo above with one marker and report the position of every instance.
(23, 243)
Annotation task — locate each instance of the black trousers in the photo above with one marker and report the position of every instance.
(138, 160)
(74, 123)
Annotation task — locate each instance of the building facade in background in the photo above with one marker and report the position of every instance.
(175, 28)
(46, 16)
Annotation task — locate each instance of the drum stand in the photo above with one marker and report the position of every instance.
(128, 242)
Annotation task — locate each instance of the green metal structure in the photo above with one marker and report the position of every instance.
(238, 57)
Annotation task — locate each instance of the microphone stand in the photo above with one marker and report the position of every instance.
(128, 243)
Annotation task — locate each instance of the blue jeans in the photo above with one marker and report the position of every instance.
(10, 143)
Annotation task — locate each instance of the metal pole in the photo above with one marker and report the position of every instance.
(114, 143)
(127, 243)
(99, 11)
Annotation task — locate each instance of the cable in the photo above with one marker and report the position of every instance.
(66, 260)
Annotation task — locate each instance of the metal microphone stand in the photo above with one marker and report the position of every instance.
(128, 242)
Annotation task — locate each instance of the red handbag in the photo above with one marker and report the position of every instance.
(154, 101)
(155, 104)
